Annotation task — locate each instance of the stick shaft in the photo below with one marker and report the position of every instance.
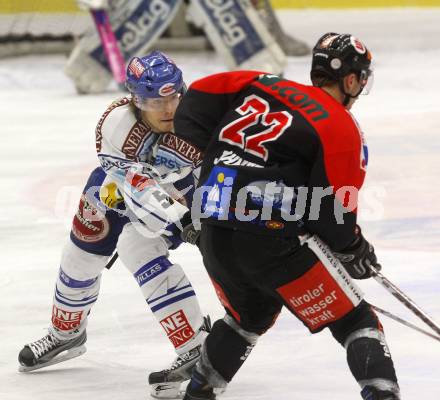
(110, 45)
(406, 323)
(405, 300)
(112, 260)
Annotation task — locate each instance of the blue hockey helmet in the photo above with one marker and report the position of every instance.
(153, 76)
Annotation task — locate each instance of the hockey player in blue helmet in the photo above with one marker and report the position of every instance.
(133, 135)
(156, 85)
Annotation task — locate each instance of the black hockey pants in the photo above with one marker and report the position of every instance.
(255, 276)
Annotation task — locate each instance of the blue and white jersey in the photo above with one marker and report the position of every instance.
(124, 142)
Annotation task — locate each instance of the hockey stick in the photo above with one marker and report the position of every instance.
(403, 322)
(110, 45)
(404, 299)
(112, 260)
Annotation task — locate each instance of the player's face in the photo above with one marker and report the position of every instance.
(159, 112)
(353, 86)
(356, 85)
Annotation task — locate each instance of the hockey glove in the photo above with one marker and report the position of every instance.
(357, 257)
(183, 231)
(189, 232)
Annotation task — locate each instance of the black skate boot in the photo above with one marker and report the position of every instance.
(199, 389)
(49, 350)
(372, 393)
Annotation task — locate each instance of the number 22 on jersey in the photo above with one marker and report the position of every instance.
(255, 110)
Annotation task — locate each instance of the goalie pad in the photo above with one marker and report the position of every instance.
(238, 34)
(290, 45)
(137, 24)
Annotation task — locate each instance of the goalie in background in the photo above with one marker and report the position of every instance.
(247, 35)
(290, 45)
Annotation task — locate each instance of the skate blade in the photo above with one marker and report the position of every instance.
(166, 390)
(64, 356)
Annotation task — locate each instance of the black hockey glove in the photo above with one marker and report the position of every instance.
(357, 257)
(189, 233)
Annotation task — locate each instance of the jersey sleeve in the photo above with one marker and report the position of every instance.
(338, 173)
(147, 168)
(177, 161)
(206, 102)
(120, 137)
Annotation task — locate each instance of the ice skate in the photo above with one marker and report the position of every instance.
(372, 393)
(198, 389)
(166, 384)
(49, 351)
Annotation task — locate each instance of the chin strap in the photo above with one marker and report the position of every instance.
(347, 96)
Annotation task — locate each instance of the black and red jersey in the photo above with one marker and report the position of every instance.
(268, 141)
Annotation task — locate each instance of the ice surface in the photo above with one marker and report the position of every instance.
(47, 152)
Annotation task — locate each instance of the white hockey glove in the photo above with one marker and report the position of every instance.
(150, 202)
(87, 5)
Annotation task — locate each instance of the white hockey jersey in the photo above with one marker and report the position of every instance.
(150, 169)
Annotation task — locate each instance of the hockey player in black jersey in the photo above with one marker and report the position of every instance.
(277, 198)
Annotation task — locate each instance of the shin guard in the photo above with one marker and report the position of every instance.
(226, 349)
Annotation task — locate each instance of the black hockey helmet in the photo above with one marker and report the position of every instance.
(337, 55)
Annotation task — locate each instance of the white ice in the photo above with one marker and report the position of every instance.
(47, 152)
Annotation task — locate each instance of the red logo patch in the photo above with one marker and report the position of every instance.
(167, 89)
(316, 298)
(358, 45)
(177, 328)
(65, 320)
(139, 182)
(224, 300)
(89, 225)
(136, 68)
